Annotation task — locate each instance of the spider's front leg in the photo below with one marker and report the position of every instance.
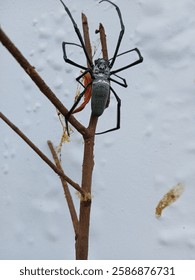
(79, 37)
(68, 60)
(139, 60)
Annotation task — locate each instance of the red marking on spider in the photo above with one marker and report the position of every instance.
(87, 96)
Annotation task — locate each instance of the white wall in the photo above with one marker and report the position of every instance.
(134, 167)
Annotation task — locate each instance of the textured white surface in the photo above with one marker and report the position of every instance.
(134, 167)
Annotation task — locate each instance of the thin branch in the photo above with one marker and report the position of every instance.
(68, 197)
(30, 70)
(41, 154)
(82, 242)
(86, 37)
(103, 41)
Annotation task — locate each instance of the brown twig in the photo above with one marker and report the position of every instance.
(68, 197)
(85, 205)
(82, 243)
(86, 37)
(41, 154)
(30, 70)
(103, 41)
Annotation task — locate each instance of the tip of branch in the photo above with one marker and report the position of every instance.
(84, 18)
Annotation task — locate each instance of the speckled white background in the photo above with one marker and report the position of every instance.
(134, 167)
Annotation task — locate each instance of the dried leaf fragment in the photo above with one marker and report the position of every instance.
(64, 137)
(169, 198)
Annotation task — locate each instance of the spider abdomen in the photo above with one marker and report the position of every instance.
(100, 96)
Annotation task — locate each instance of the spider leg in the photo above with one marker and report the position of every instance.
(139, 60)
(87, 79)
(67, 60)
(118, 114)
(82, 75)
(74, 106)
(123, 83)
(120, 34)
(87, 97)
(78, 33)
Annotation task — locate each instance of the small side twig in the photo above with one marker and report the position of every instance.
(41, 154)
(68, 197)
(86, 36)
(103, 41)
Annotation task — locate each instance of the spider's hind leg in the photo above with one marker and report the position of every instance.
(118, 120)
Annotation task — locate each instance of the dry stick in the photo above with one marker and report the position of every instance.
(41, 154)
(82, 242)
(86, 36)
(68, 197)
(85, 205)
(103, 41)
(88, 164)
(30, 70)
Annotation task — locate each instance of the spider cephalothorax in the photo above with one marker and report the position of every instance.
(101, 67)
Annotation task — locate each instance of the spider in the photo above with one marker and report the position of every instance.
(101, 73)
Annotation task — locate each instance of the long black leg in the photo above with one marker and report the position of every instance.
(67, 60)
(74, 106)
(140, 59)
(78, 33)
(118, 114)
(123, 84)
(120, 34)
(120, 54)
(82, 75)
(87, 70)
